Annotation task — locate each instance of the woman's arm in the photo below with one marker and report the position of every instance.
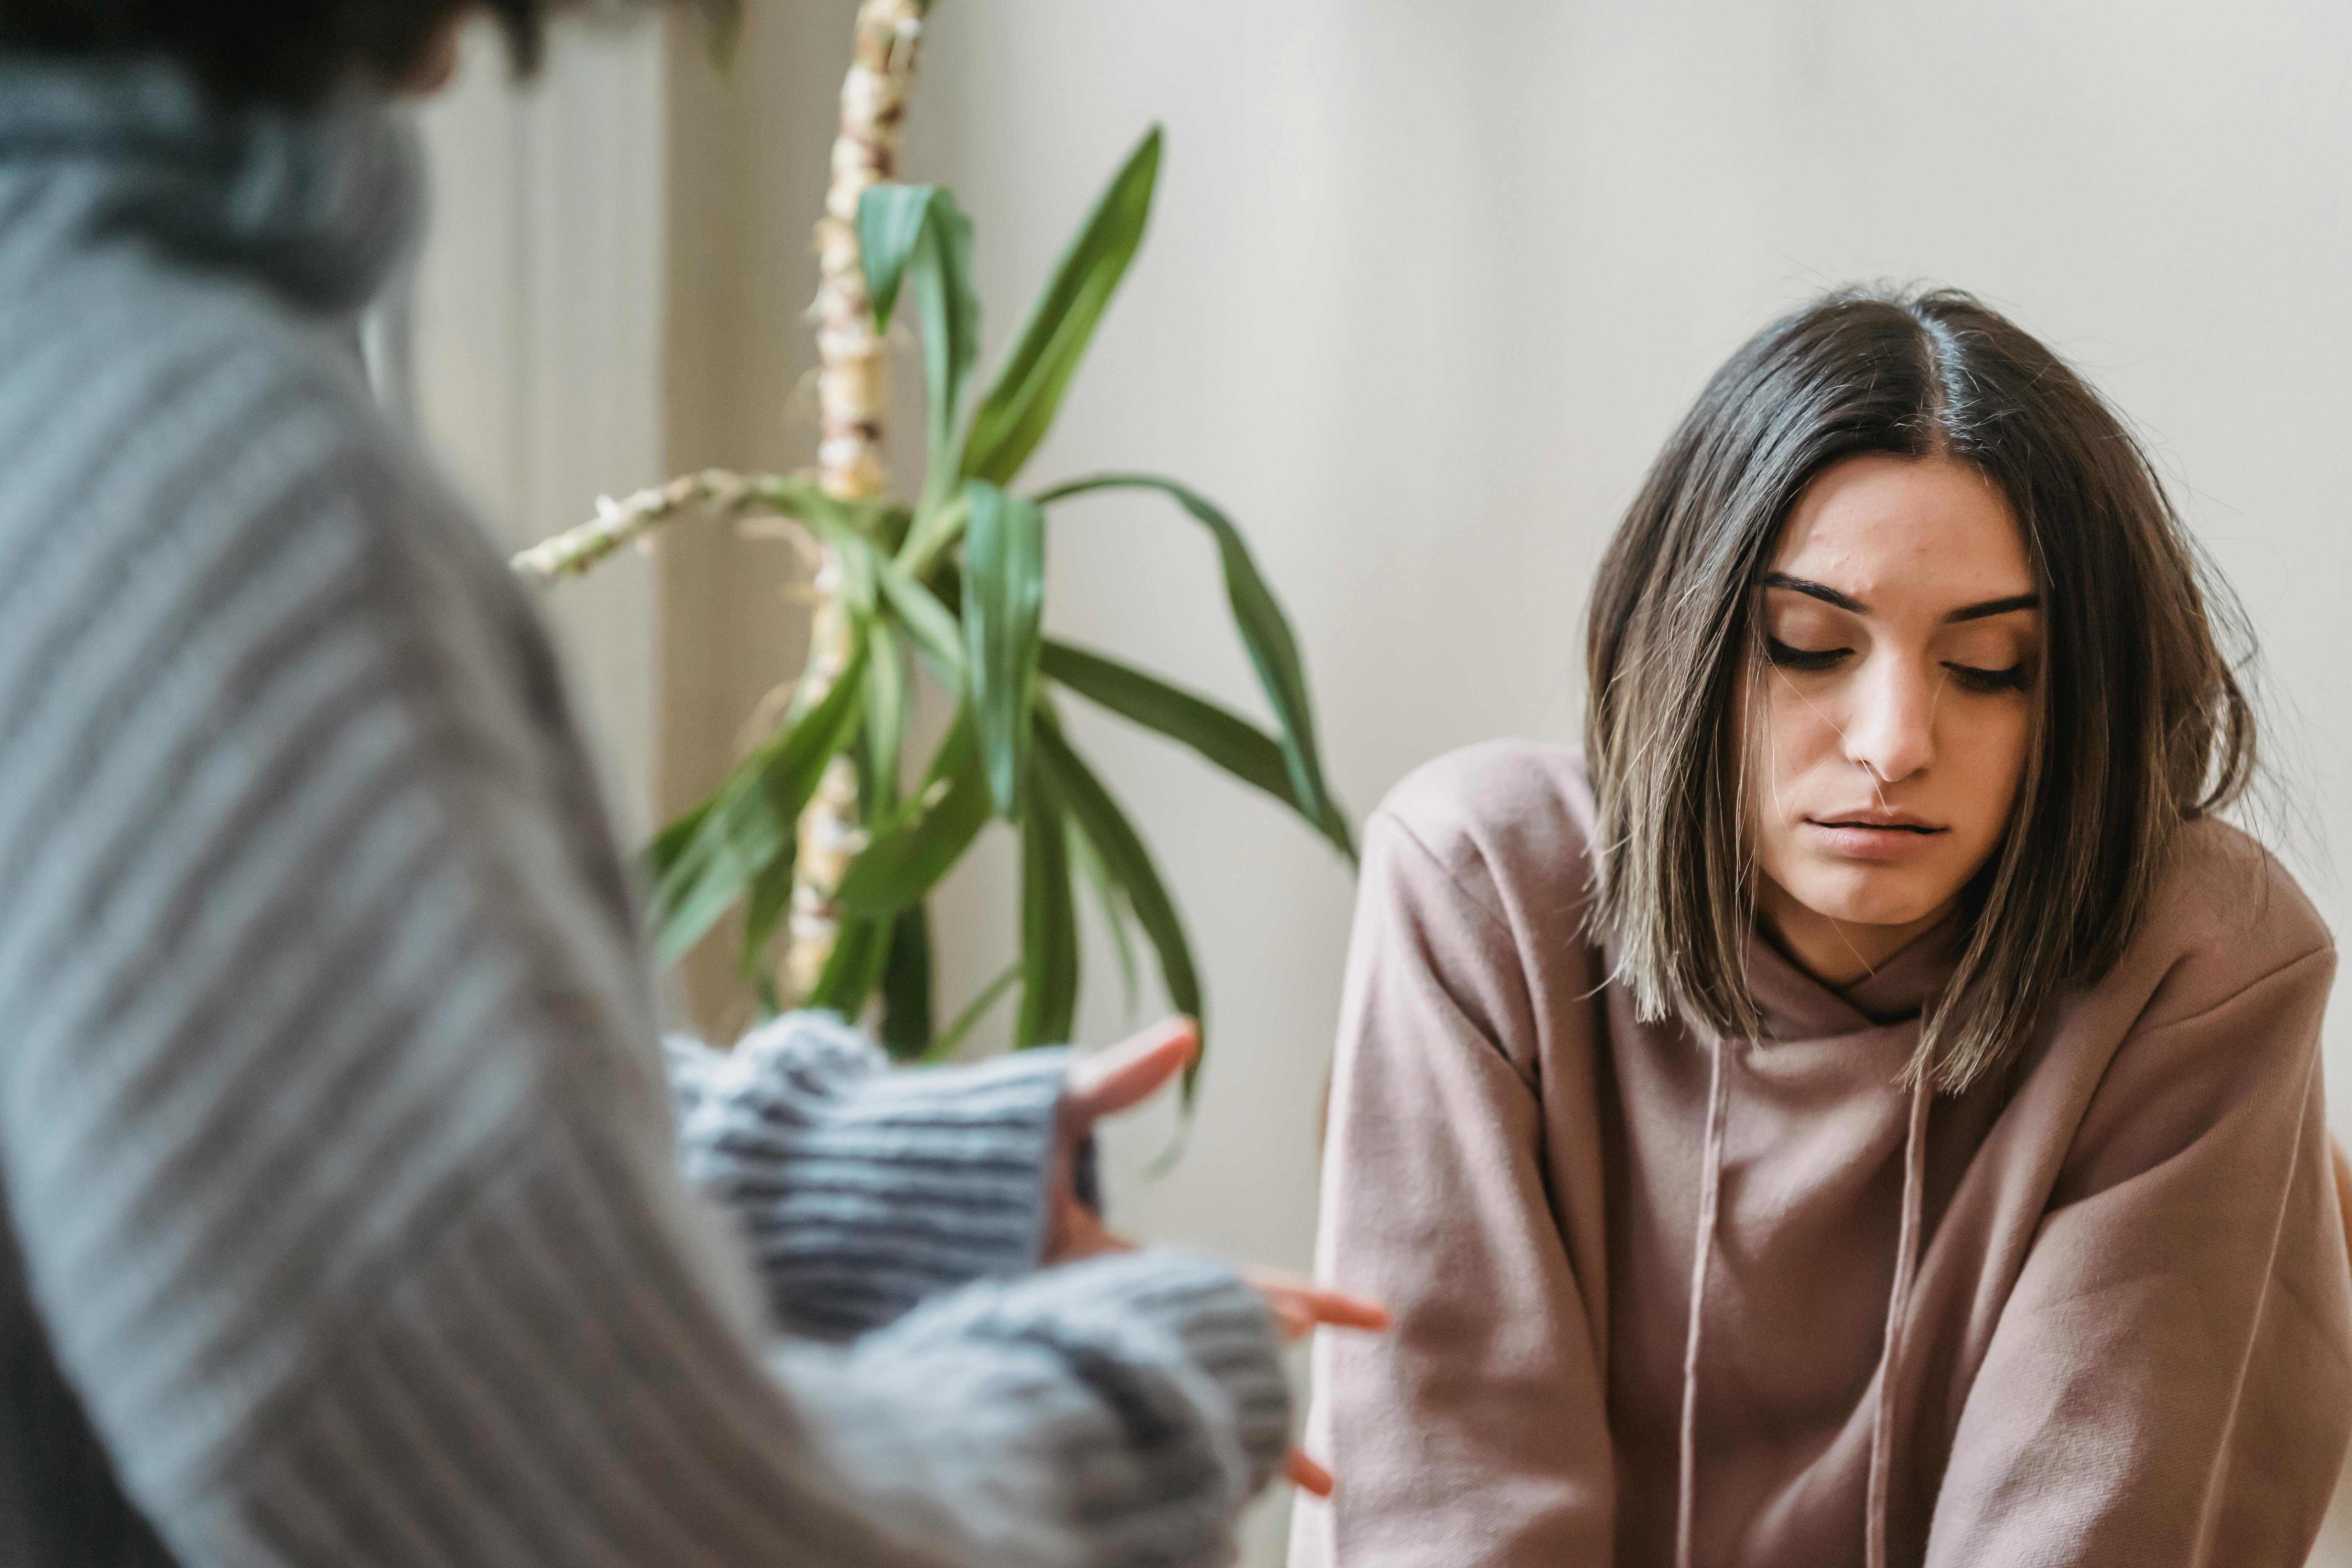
(2171, 1379)
(1473, 1435)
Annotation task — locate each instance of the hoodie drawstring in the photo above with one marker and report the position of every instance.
(1898, 1306)
(1898, 1302)
(1710, 1192)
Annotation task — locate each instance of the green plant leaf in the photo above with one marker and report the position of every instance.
(765, 903)
(933, 533)
(918, 231)
(949, 310)
(671, 840)
(748, 821)
(1116, 914)
(1019, 408)
(1130, 864)
(858, 524)
(908, 856)
(890, 220)
(1003, 602)
(1218, 734)
(931, 625)
(1265, 631)
(870, 575)
(885, 726)
(1049, 924)
(860, 949)
(944, 1046)
(889, 527)
(907, 985)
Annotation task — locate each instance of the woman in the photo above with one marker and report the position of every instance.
(1867, 1110)
(344, 1220)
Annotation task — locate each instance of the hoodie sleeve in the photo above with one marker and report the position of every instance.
(2169, 1381)
(1475, 1431)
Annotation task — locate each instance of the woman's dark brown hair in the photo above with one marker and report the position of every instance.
(287, 52)
(2141, 723)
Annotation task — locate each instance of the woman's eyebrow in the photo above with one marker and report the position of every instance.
(1830, 596)
(1994, 607)
(1821, 591)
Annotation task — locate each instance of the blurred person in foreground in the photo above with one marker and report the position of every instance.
(352, 1211)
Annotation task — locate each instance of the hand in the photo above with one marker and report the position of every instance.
(1113, 1080)
(1302, 1307)
(1121, 1076)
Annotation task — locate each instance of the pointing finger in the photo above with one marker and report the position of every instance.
(1307, 1474)
(1133, 1070)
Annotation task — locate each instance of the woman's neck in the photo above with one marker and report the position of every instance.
(1835, 953)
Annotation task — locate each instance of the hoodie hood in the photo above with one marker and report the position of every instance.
(1796, 1006)
(1851, 1039)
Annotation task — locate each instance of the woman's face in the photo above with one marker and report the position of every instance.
(1889, 723)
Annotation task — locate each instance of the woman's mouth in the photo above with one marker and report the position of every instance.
(1872, 835)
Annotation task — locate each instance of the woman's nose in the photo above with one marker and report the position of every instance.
(1892, 731)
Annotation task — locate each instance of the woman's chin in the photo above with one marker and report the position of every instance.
(1853, 898)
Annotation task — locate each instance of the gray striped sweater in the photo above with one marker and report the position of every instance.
(344, 1215)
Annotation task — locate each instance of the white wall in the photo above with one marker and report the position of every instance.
(538, 340)
(1427, 286)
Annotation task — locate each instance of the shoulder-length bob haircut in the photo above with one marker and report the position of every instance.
(2140, 722)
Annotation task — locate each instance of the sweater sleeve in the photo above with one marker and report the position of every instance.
(860, 1191)
(2171, 1379)
(989, 1406)
(336, 1138)
(1473, 1432)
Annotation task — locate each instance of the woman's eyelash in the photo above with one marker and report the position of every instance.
(2013, 678)
(1787, 657)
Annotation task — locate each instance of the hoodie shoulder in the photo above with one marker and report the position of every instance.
(2225, 916)
(1510, 821)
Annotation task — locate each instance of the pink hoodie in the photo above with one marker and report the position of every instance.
(2097, 1311)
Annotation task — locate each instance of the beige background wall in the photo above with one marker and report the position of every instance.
(1426, 287)
(538, 340)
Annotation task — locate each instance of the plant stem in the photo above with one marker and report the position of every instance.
(633, 520)
(852, 391)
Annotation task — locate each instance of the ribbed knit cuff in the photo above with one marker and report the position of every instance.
(1227, 1330)
(1175, 1314)
(861, 1189)
(1115, 1414)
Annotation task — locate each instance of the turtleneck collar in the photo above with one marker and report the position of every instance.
(321, 206)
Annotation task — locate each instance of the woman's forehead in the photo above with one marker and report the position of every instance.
(1888, 532)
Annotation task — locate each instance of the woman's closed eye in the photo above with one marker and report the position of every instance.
(1784, 657)
(2014, 678)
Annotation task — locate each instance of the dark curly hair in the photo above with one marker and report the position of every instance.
(289, 52)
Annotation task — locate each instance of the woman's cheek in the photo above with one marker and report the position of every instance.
(1804, 734)
(1993, 754)
(2018, 734)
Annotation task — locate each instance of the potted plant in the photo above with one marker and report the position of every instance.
(811, 833)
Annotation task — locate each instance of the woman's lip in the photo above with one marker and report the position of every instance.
(1853, 839)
